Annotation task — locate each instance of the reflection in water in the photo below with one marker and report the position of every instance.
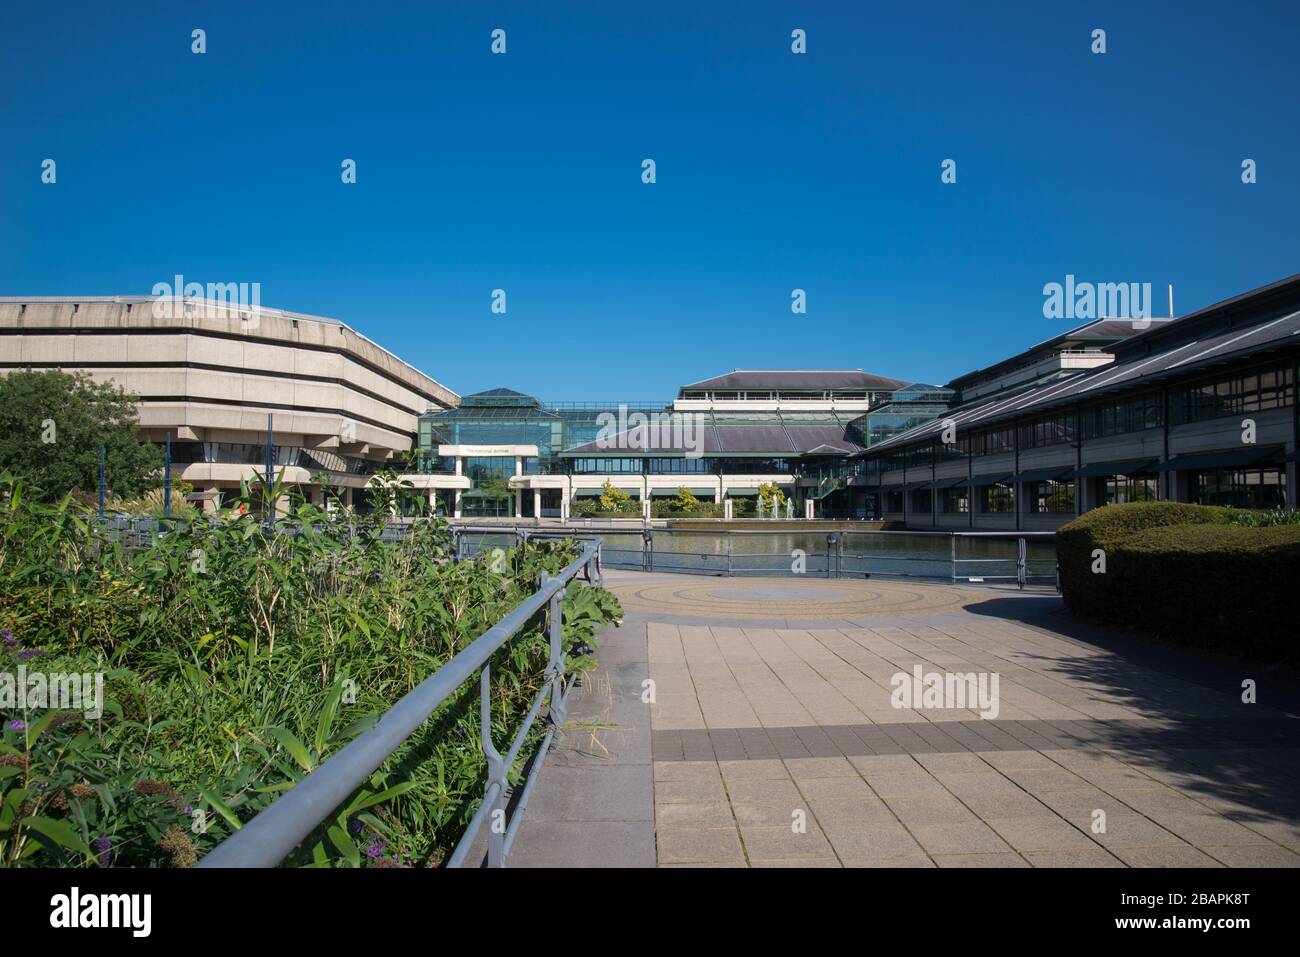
(890, 555)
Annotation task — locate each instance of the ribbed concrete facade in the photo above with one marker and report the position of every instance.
(210, 372)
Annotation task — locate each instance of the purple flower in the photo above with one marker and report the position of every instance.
(375, 849)
(187, 810)
(7, 637)
(103, 847)
(16, 725)
(354, 825)
(31, 653)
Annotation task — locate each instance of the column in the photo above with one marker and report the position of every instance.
(809, 508)
(537, 504)
(455, 513)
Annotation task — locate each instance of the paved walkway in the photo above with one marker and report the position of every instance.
(773, 739)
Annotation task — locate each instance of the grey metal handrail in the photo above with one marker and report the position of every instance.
(840, 560)
(270, 836)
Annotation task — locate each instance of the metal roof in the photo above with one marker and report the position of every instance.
(1098, 330)
(725, 440)
(796, 380)
(1132, 371)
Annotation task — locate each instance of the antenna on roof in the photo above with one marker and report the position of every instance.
(1171, 300)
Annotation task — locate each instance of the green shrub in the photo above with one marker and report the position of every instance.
(1259, 518)
(228, 650)
(668, 508)
(1188, 573)
(618, 501)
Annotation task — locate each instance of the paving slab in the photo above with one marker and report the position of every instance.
(777, 737)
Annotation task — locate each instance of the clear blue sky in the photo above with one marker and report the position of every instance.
(775, 171)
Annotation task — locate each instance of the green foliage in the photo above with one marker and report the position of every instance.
(496, 488)
(1189, 573)
(151, 503)
(668, 508)
(685, 501)
(78, 415)
(1258, 518)
(771, 495)
(614, 499)
(238, 658)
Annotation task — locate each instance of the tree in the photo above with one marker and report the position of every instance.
(771, 495)
(52, 425)
(685, 500)
(614, 499)
(495, 488)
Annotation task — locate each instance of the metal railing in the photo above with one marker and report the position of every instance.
(969, 558)
(270, 836)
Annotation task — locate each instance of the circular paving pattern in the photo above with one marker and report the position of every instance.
(768, 598)
(775, 593)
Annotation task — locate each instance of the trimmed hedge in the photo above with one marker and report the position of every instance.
(1183, 573)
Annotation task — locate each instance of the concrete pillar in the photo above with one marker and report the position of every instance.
(645, 508)
(519, 502)
(455, 511)
(459, 465)
(537, 504)
(726, 509)
(809, 507)
(519, 465)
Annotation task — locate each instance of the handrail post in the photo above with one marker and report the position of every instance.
(952, 553)
(555, 667)
(496, 775)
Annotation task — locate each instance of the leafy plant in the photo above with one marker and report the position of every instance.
(52, 425)
(615, 499)
(240, 655)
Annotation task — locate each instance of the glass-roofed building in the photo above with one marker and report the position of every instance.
(721, 438)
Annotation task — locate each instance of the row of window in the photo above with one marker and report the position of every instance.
(681, 466)
(1262, 488)
(1257, 391)
(1262, 389)
(1242, 488)
(245, 453)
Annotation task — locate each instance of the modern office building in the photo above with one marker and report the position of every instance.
(721, 438)
(215, 375)
(1197, 409)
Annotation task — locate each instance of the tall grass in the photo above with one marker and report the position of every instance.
(237, 659)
